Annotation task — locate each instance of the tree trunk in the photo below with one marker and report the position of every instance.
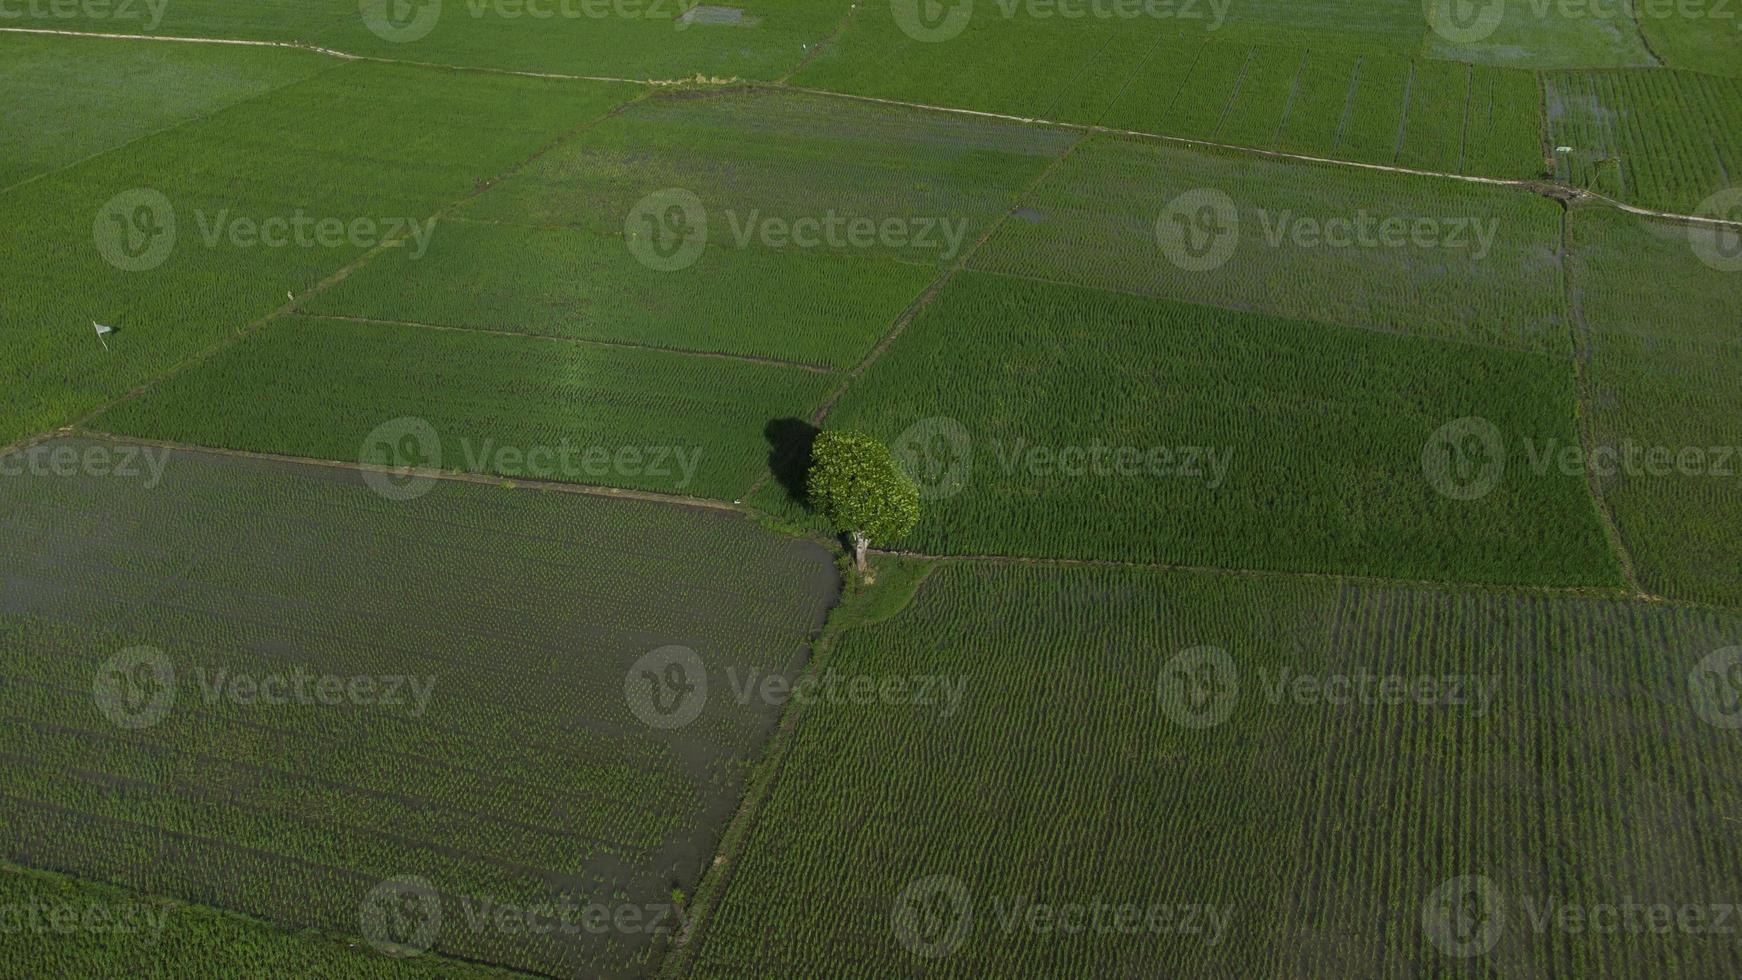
(860, 544)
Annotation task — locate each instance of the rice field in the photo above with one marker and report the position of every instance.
(1540, 34)
(624, 38)
(54, 121)
(1321, 570)
(1334, 101)
(1462, 261)
(180, 238)
(1096, 801)
(1658, 139)
(138, 933)
(1049, 420)
(751, 157)
(482, 404)
(816, 309)
(1661, 396)
(303, 691)
(1699, 37)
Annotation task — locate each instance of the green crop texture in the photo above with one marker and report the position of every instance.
(1701, 37)
(814, 308)
(1552, 750)
(60, 110)
(65, 927)
(1288, 445)
(508, 406)
(520, 774)
(1549, 34)
(1485, 272)
(1660, 139)
(754, 155)
(380, 143)
(616, 38)
(1665, 371)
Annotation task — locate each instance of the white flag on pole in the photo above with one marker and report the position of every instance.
(102, 331)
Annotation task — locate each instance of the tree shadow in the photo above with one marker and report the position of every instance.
(789, 453)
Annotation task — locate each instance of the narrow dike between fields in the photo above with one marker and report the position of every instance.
(1584, 401)
(898, 581)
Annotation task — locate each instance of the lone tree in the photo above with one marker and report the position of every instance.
(856, 485)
